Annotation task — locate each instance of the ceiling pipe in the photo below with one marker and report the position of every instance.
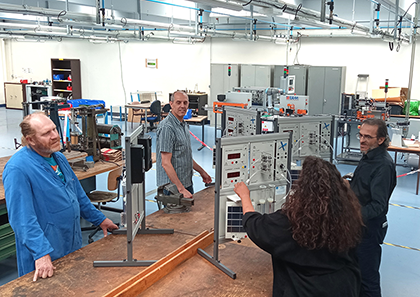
(397, 3)
(314, 16)
(89, 20)
(322, 18)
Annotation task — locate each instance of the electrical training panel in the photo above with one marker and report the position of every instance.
(263, 163)
(312, 135)
(240, 122)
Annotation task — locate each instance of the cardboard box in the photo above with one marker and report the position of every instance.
(396, 95)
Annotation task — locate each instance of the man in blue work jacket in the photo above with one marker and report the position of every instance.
(45, 200)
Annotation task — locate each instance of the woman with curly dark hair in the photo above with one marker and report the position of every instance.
(312, 238)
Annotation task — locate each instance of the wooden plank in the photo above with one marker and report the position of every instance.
(132, 280)
(100, 167)
(162, 267)
(197, 277)
(74, 155)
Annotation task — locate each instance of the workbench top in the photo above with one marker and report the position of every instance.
(75, 274)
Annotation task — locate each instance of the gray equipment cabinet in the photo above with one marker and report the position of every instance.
(325, 85)
(223, 77)
(301, 77)
(255, 75)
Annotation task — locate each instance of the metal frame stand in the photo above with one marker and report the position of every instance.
(215, 258)
(136, 220)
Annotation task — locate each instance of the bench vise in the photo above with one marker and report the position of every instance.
(174, 202)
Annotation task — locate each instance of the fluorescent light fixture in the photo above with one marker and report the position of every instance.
(280, 41)
(188, 40)
(10, 36)
(357, 32)
(97, 41)
(225, 13)
(30, 40)
(387, 38)
(220, 4)
(286, 16)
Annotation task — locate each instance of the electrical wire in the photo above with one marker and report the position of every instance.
(247, 3)
(327, 143)
(298, 8)
(121, 71)
(298, 46)
(62, 13)
(250, 178)
(405, 13)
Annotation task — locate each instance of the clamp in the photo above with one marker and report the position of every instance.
(175, 201)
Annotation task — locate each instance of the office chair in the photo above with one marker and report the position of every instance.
(136, 112)
(155, 110)
(165, 110)
(102, 197)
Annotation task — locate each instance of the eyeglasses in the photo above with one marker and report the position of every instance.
(367, 137)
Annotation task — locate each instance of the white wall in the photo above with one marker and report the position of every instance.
(183, 66)
(2, 70)
(360, 55)
(179, 66)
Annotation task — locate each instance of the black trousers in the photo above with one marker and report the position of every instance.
(369, 253)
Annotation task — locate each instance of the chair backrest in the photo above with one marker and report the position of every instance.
(155, 107)
(113, 178)
(135, 103)
(166, 108)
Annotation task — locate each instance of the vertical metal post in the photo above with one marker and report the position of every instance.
(217, 198)
(98, 11)
(129, 209)
(397, 8)
(413, 54)
(322, 11)
(372, 12)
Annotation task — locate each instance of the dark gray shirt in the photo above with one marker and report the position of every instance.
(173, 136)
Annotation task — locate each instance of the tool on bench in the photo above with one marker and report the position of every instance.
(172, 200)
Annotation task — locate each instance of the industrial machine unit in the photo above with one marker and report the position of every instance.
(299, 73)
(312, 135)
(240, 122)
(263, 162)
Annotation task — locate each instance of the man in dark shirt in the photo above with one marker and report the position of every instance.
(373, 182)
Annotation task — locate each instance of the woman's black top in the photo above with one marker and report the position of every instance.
(298, 271)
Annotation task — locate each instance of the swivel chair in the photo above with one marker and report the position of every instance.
(136, 112)
(165, 110)
(155, 110)
(102, 197)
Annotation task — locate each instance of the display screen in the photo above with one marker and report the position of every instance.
(233, 174)
(234, 156)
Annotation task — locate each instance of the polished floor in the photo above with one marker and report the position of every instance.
(401, 254)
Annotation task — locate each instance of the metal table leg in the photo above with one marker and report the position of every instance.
(202, 136)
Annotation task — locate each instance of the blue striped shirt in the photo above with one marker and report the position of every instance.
(173, 136)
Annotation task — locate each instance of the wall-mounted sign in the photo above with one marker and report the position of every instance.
(152, 63)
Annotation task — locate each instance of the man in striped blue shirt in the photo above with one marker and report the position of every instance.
(174, 161)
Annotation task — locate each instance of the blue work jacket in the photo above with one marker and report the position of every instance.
(44, 211)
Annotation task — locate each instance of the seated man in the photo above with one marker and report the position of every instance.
(45, 200)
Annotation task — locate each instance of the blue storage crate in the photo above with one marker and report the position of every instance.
(78, 102)
(188, 115)
(58, 76)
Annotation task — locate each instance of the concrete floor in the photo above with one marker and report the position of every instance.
(399, 270)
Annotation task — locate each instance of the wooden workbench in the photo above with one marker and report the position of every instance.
(100, 167)
(75, 274)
